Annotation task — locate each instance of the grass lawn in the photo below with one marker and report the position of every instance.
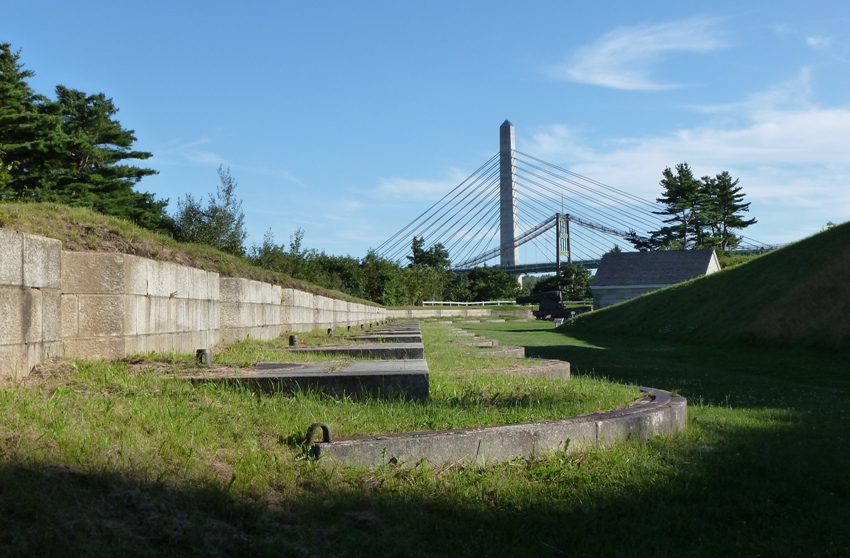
(107, 463)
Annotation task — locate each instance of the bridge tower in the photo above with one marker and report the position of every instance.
(562, 241)
(509, 255)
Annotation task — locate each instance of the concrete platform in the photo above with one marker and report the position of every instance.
(368, 350)
(482, 344)
(660, 414)
(377, 378)
(508, 352)
(388, 337)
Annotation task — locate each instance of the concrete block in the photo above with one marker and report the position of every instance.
(230, 315)
(199, 288)
(11, 258)
(159, 343)
(136, 272)
(183, 342)
(140, 308)
(42, 262)
(69, 312)
(266, 294)
(176, 315)
(214, 286)
(12, 303)
(13, 361)
(31, 309)
(107, 348)
(168, 285)
(101, 315)
(182, 278)
(231, 289)
(33, 357)
(92, 273)
(287, 297)
(323, 303)
(384, 351)
(51, 315)
(159, 315)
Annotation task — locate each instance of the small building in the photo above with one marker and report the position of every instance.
(625, 275)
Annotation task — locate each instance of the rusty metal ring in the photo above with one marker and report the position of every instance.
(326, 433)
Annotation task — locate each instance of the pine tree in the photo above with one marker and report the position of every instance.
(682, 200)
(93, 171)
(70, 151)
(723, 210)
(31, 139)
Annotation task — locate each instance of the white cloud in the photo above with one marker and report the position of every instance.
(417, 189)
(623, 58)
(819, 42)
(828, 46)
(791, 158)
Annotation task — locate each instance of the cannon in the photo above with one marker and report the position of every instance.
(550, 307)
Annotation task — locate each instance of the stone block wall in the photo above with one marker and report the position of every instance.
(30, 282)
(306, 311)
(250, 308)
(105, 305)
(114, 305)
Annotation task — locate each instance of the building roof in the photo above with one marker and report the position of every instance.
(667, 267)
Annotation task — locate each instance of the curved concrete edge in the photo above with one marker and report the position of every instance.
(547, 368)
(664, 414)
(507, 352)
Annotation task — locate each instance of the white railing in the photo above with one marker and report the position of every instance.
(482, 303)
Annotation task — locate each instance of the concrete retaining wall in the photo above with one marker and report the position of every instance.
(114, 305)
(30, 281)
(105, 305)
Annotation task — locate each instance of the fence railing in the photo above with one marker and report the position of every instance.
(480, 303)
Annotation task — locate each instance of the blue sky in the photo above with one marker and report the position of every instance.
(348, 119)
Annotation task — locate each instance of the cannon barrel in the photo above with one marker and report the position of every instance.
(554, 296)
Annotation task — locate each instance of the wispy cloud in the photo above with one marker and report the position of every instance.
(624, 58)
(417, 189)
(794, 93)
(830, 47)
(789, 154)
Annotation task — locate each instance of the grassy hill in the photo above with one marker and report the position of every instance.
(84, 230)
(797, 295)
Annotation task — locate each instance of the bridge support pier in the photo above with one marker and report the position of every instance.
(562, 241)
(509, 253)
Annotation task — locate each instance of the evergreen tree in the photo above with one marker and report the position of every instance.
(682, 199)
(70, 151)
(31, 139)
(701, 213)
(723, 210)
(94, 172)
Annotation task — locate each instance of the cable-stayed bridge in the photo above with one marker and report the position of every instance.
(517, 208)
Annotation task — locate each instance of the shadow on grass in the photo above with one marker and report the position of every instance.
(721, 489)
(761, 470)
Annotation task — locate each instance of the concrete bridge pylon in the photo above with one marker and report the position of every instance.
(509, 253)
